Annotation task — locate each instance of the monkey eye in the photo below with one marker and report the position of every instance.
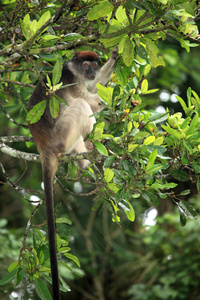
(86, 65)
(95, 64)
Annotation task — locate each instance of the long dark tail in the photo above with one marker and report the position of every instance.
(49, 166)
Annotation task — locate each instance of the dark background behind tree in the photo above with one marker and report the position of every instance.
(128, 262)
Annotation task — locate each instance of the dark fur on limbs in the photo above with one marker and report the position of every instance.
(66, 133)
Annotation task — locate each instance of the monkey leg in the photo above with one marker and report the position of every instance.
(74, 123)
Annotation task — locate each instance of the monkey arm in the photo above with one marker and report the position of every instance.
(105, 72)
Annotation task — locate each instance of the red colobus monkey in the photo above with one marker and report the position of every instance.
(66, 133)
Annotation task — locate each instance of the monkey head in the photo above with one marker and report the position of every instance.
(86, 63)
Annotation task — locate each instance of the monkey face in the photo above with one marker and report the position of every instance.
(90, 69)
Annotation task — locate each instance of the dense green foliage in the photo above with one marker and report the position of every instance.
(142, 157)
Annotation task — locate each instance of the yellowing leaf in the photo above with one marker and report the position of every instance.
(158, 141)
(100, 10)
(129, 127)
(144, 86)
(131, 147)
(149, 140)
(113, 187)
(108, 175)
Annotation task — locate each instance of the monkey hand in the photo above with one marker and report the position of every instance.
(114, 53)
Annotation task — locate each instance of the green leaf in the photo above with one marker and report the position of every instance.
(150, 91)
(101, 148)
(159, 141)
(63, 221)
(183, 219)
(182, 102)
(70, 37)
(25, 25)
(196, 167)
(188, 147)
(150, 195)
(64, 249)
(185, 123)
(152, 51)
(151, 160)
(158, 185)
(105, 93)
(13, 266)
(184, 159)
(54, 107)
(111, 42)
(19, 276)
(141, 135)
(50, 37)
(129, 127)
(35, 114)
(172, 131)
(113, 187)
(121, 15)
(187, 209)
(74, 258)
(41, 257)
(108, 175)
(45, 269)
(100, 10)
(184, 44)
(42, 290)
(57, 71)
(44, 18)
(128, 52)
(109, 161)
(180, 175)
(189, 93)
(49, 84)
(193, 125)
(186, 192)
(9, 277)
(156, 167)
(130, 213)
(33, 27)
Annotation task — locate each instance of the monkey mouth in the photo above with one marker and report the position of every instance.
(91, 77)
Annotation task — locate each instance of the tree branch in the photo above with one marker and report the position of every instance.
(14, 138)
(19, 154)
(17, 82)
(92, 156)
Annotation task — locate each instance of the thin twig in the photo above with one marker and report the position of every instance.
(26, 232)
(77, 194)
(17, 82)
(11, 119)
(16, 187)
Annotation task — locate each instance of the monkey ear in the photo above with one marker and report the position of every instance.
(75, 57)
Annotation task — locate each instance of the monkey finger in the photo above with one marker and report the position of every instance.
(114, 52)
